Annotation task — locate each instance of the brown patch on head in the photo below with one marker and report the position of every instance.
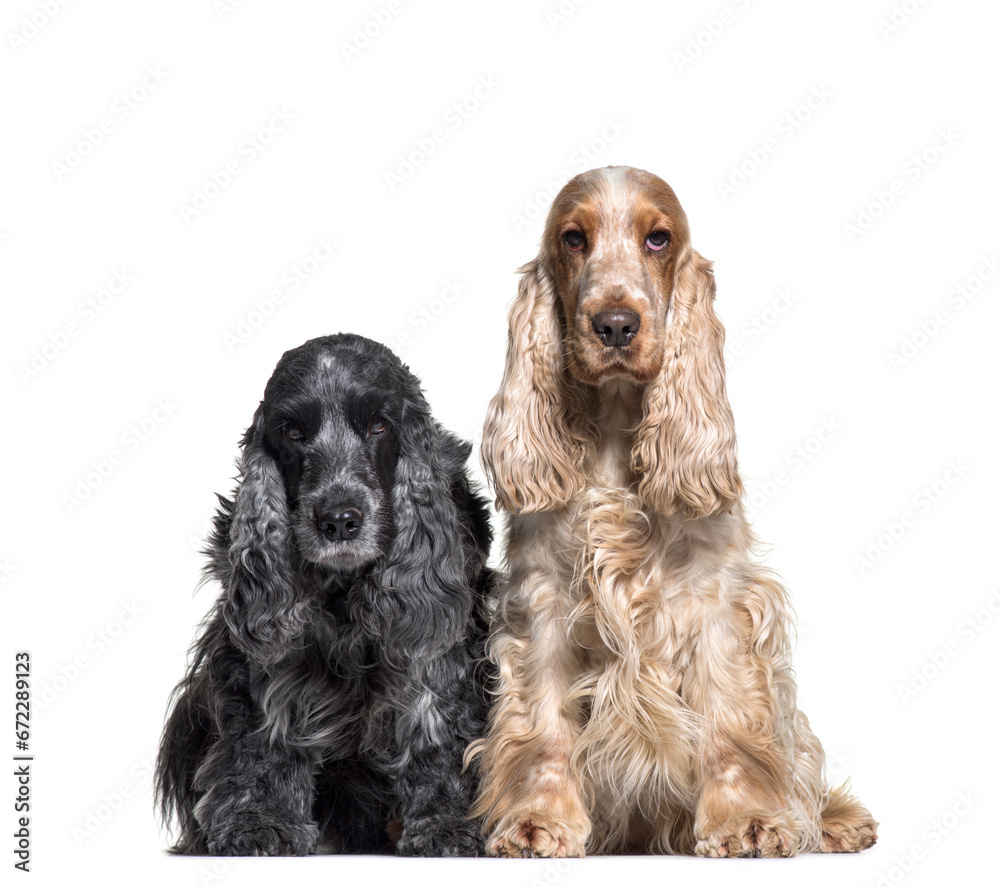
(613, 240)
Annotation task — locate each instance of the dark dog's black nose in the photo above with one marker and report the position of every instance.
(340, 523)
(615, 328)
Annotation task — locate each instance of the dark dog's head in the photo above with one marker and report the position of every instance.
(332, 418)
(344, 473)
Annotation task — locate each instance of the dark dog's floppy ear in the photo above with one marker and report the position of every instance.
(261, 606)
(420, 596)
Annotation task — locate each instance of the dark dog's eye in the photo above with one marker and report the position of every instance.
(377, 425)
(657, 240)
(293, 431)
(574, 240)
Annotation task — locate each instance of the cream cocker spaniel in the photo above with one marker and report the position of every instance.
(644, 698)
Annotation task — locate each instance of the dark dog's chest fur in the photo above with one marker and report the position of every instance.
(337, 684)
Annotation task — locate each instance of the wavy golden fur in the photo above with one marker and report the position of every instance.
(644, 698)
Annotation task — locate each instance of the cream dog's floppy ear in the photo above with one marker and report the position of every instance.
(532, 450)
(685, 452)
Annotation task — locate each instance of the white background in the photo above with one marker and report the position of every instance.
(687, 90)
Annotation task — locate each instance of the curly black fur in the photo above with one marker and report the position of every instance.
(333, 689)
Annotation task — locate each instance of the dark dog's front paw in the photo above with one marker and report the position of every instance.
(441, 836)
(257, 834)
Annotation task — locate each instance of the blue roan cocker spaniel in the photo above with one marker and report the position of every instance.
(332, 689)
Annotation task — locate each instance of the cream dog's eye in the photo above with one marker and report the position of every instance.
(657, 240)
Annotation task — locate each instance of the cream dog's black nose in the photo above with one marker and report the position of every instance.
(615, 328)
